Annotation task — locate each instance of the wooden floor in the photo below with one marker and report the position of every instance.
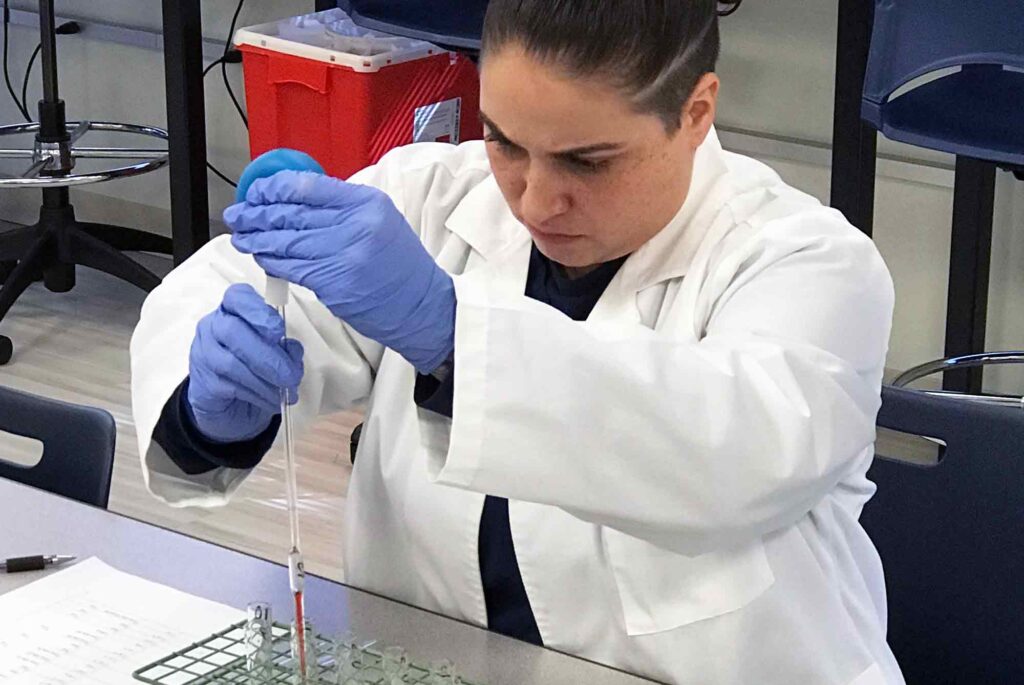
(74, 346)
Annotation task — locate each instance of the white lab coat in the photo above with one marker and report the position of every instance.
(685, 469)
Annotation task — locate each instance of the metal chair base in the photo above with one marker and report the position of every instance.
(57, 243)
(51, 165)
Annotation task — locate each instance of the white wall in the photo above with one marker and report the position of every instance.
(777, 67)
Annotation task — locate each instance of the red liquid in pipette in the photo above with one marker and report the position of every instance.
(300, 633)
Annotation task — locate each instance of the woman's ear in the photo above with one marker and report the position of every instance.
(699, 111)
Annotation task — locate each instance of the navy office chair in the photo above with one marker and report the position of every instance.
(78, 446)
(951, 536)
(456, 27)
(974, 113)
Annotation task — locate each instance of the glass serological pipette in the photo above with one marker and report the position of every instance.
(277, 297)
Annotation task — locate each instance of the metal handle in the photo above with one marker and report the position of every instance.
(965, 362)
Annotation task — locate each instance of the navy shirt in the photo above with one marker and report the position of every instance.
(508, 606)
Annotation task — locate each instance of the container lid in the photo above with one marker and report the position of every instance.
(331, 36)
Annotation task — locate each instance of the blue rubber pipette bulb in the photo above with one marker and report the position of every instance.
(269, 163)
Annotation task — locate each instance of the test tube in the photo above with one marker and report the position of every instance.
(312, 670)
(345, 653)
(443, 673)
(394, 661)
(259, 641)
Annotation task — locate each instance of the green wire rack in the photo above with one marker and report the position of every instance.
(221, 658)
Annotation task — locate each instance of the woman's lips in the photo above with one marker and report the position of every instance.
(552, 237)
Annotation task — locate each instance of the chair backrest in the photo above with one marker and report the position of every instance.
(912, 38)
(78, 446)
(951, 539)
(457, 26)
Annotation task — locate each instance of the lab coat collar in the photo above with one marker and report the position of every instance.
(484, 221)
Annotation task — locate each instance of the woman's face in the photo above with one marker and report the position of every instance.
(591, 179)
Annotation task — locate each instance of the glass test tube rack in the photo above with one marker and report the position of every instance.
(259, 652)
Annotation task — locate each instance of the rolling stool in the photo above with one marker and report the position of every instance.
(54, 245)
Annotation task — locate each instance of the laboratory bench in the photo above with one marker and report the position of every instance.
(37, 522)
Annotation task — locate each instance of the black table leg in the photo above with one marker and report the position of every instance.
(186, 124)
(969, 260)
(854, 143)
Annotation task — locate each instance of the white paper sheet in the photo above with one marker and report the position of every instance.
(91, 624)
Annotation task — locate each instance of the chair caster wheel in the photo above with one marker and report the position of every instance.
(6, 349)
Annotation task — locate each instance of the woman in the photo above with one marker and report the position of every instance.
(620, 385)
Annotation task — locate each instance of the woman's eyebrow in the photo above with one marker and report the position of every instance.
(495, 130)
(589, 149)
(572, 152)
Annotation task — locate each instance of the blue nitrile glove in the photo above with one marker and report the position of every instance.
(351, 246)
(238, 366)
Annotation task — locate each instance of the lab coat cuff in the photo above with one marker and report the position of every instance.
(196, 454)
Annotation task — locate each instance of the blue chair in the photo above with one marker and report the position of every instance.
(951, 536)
(457, 27)
(78, 446)
(974, 113)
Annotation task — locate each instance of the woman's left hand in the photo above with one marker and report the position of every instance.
(351, 246)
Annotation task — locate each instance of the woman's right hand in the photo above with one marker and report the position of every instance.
(238, 366)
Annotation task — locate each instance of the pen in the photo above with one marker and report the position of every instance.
(36, 563)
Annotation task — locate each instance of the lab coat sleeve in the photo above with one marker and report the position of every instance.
(338, 363)
(424, 182)
(691, 446)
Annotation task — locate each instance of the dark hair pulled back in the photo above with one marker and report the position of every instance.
(654, 51)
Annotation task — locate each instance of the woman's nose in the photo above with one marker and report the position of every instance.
(544, 198)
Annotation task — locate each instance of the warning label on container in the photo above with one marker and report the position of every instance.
(437, 123)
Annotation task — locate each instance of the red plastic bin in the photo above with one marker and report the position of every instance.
(347, 110)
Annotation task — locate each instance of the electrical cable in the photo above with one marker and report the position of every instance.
(68, 28)
(220, 174)
(209, 165)
(231, 92)
(211, 65)
(7, 73)
(28, 74)
(224, 66)
(230, 56)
